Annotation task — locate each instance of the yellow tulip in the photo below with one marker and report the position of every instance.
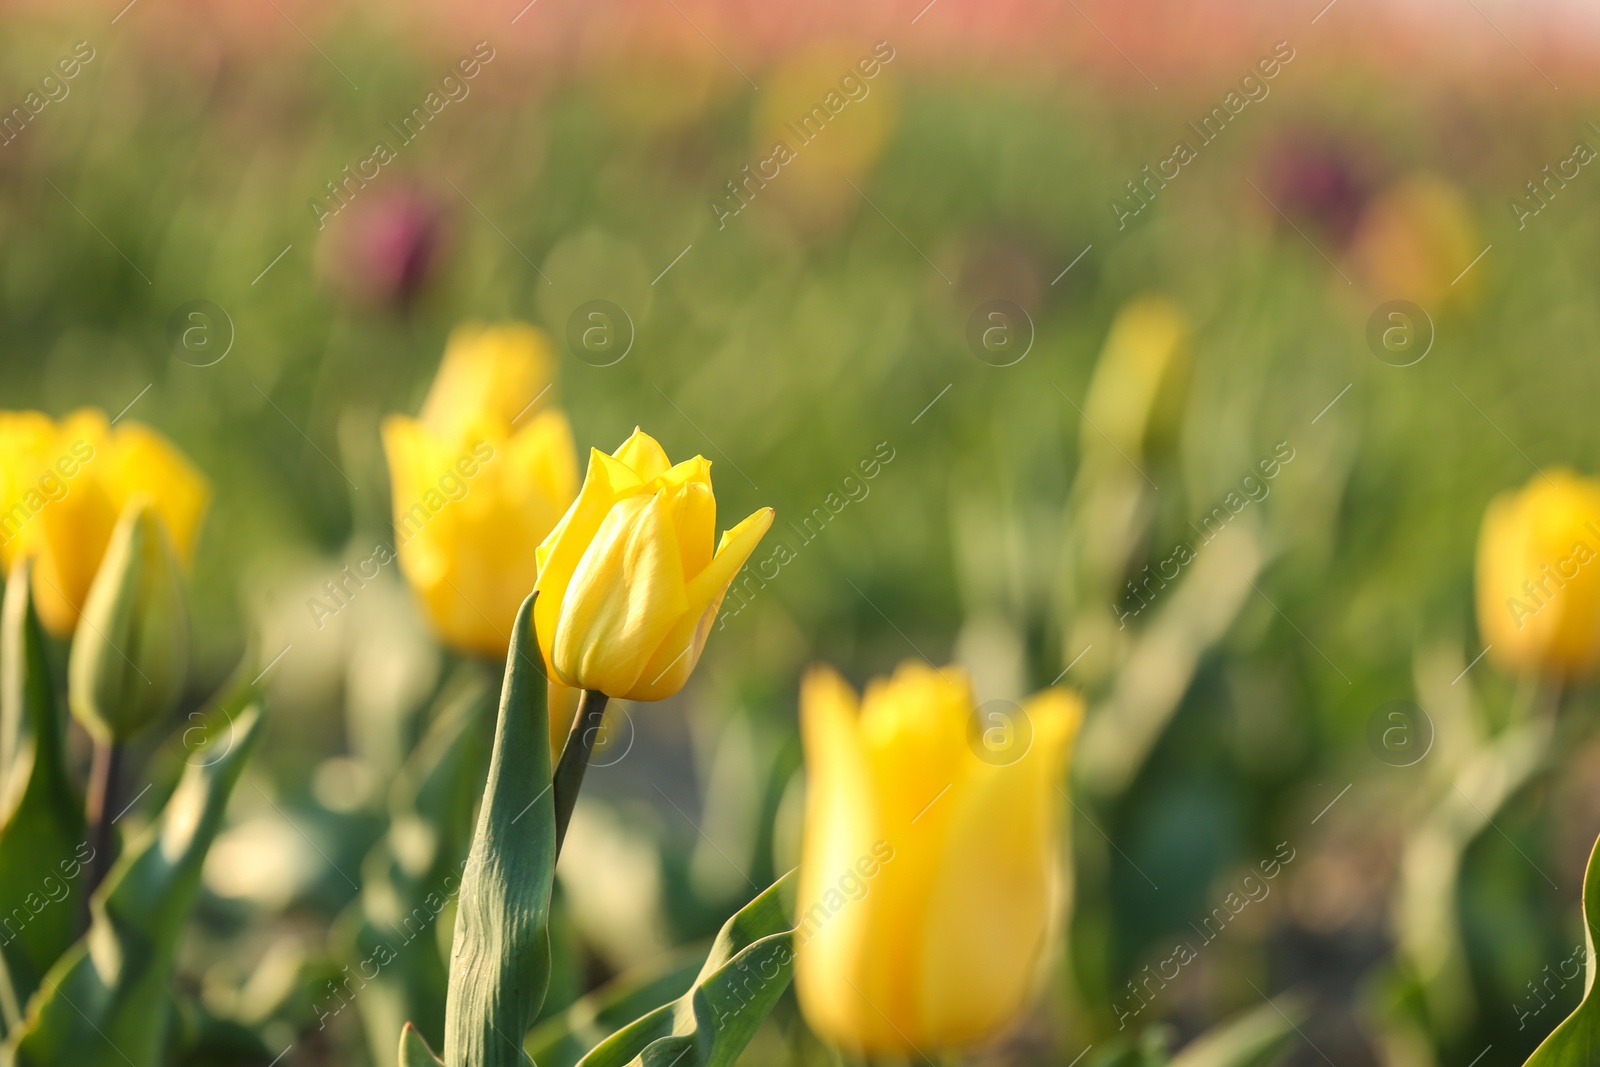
(63, 487)
(929, 871)
(1538, 580)
(1414, 241)
(477, 481)
(1140, 383)
(628, 582)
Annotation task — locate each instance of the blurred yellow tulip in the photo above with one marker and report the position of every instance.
(479, 480)
(930, 869)
(1415, 241)
(1538, 580)
(63, 487)
(628, 583)
(1136, 396)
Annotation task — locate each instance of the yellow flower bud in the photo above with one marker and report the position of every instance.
(929, 871)
(628, 582)
(63, 486)
(1136, 396)
(127, 666)
(1538, 580)
(479, 480)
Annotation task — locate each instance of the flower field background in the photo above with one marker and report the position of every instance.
(1178, 359)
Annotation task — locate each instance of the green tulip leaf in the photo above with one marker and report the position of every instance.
(1256, 1038)
(44, 847)
(1576, 1042)
(745, 972)
(564, 1040)
(500, 961)
(414, 1050)
(108, 1002)
(408, 878)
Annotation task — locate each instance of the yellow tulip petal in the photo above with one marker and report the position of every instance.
(697, 469)
(490, 374)
(562, 549)
(1538, 576)
(992, 897)
(643, 455)
(74, 532)
(147, 464)
(623, 597)
(694, 516)
(841, 851)
(543, 463)
(27, 444)
(680, 649)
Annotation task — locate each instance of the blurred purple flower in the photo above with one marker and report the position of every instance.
(1316, 178)
(389, 248)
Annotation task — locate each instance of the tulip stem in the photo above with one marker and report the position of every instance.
(103, 781)
(575, 758)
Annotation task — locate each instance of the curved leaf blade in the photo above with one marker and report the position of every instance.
(108, 1002)
(500, 960)
(747, 969)
(1576, 1042)
(414, 1050)
(43, 841)
(565, 1039)
(1255, 1038)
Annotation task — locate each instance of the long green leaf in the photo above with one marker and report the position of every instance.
(108, 1002)
(745, 972)
(500, 961)
(388, 934)
(1576, 1042)
(43, 844)
(564, 1040)
(1256, 1038)
(414, 1050)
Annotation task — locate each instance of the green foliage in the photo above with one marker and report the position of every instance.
(1576, 1042)
(108, 1001)
(1256, 1038)
(563, 1040)
(411, 873)
(500, 960)
(414, 1051)
(43, 844)
(746, 970)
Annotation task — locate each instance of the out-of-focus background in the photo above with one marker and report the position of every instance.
(253, 225)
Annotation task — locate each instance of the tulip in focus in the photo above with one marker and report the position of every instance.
(63, 487)
(1538, 576)
(930, 868)
(478, 480)
(628, 582)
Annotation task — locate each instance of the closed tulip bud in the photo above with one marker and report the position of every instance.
(628, 581)
(128, 662)
(1136, 397)
(1538, 576)
(930, 867)
(479, 480)
(63, 486)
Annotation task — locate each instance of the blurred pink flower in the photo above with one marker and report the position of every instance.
(1318, 179)
(389, 248)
